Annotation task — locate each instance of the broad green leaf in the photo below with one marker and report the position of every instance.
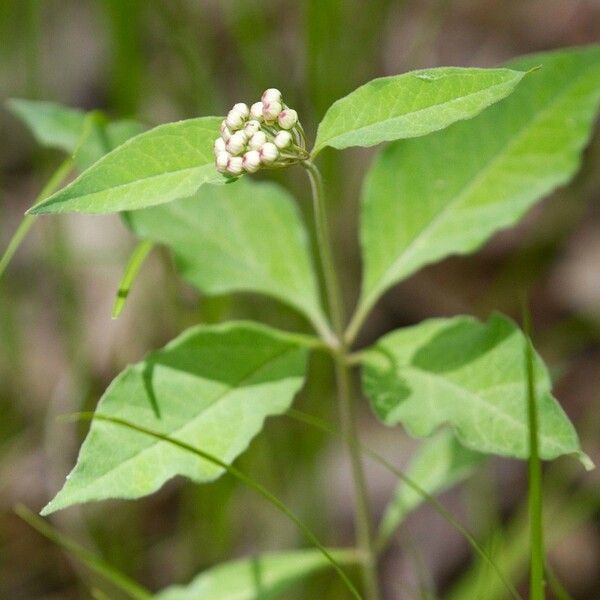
(160, 165)
(471, 376)
(57, 126)
(411, 105)
(439, 463)
(449, 192)
(258, 578)
(246, 236)
(212, 387)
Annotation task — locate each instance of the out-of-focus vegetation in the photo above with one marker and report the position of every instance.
(164, 60)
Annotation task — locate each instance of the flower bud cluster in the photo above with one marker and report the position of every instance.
(266, 134)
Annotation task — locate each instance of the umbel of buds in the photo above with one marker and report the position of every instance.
(264, 135)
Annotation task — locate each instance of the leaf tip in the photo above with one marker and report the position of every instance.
(586, 461)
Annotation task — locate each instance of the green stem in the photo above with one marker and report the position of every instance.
(536, 583)
(362, 514)
(28, 220)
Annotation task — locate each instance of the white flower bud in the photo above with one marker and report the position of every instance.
(234, 165)
(257, 140)
(225, 131)
(242, 108)
(251, 161)
(219, 145)
(236, 143)
(235, 119)
(287, 118)
(256, 111)
(222, 160)
(271, 95)
(251, 127)
(268, 153)
(271, 110)
(283, 139)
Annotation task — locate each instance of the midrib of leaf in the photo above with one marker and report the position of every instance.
(478, 401)
(440, 217)
(246, 377)
(407, 114)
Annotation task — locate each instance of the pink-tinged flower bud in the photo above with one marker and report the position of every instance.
(235, 120)
(251, 127)
(256, 111)
(287, 118)
(221, 161)
(251, 161)
(257, 140)
(236, 143)
(283, 139)
(242, 108)
(225, 131)
(271, 110)
(219, 145)
(271, 95)
(234, 165)
(268, 153)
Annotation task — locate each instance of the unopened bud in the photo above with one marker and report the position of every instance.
(257, 140)
(271, 95)
(287, 118)
(271, 110)
(225, 131)
(251, 161)
(221, 161)
(283, 139)
(251, 127)
(256, 111)
(268, 153)
(235, 165)
(219, 145)
(235, 119)
(242, 108)
(236, 143)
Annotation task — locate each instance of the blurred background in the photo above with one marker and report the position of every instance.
(164, 60)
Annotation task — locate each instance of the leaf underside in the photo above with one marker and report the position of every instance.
(471, 376)
(448, 192)
(246, 236)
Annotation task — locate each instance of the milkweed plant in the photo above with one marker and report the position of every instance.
(467, 151)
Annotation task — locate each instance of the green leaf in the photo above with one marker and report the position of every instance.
(246, 236)
(258, 578)
(449, 192)
(61, 127)
(411, 105)
(472, 376)
(439, 463)
(166, 163)
(211, 387)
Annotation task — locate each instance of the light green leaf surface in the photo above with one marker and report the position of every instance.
(212, 387)
(246, 236)
(471, 376)
(411, 105)
(160, 165)
(257, 578)
(440, 463)
(449, 192)
(62, 127)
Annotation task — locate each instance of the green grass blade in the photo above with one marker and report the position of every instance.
(132, 269)
(28, 220)
(93, 562)
(245, 479)
(436, 504)
(536, 582)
